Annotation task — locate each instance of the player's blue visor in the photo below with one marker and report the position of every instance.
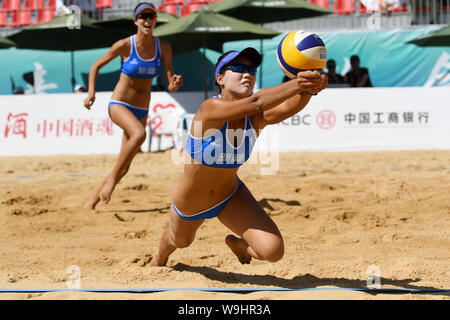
(249, 53)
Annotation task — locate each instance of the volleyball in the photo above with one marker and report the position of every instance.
(301, 50)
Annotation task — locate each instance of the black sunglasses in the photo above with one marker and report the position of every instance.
(241, 68)
(146, 15)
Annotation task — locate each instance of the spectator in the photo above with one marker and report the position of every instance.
(333, 77)
(358, 77)
(18, 90)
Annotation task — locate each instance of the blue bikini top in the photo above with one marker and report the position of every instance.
(135, 66)
(215, 150)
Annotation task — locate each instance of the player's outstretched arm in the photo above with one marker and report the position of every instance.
(292, 105)
(216, 109)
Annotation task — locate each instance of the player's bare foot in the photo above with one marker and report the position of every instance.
(91, 204)
(155, 262)
(239, 248)
(105, 194)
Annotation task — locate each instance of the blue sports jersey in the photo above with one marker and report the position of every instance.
(214, 150)
(136, 67)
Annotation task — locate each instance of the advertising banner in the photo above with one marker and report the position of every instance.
(341, 119)
(60, 124)
(368, 119)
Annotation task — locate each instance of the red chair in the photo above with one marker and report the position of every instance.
(184, 11)
(3, 15)
(24, 17)
(40, 4)
(11, 19)
(320, 3)
(30, 5)
(344, 6)
(422, 9)
(12, 5)
(194, 7)
(401, 9)
(45, 15)
(107, 3)
(198, 2)
(100, 4)
(2, 18)
(51, 4)
(363, 9)
(12, 9)
(172, 2)
(170, 9)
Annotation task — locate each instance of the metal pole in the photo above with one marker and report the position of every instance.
(260, 69)
(205, 83)
(72, 67)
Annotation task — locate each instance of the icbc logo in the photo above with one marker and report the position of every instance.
(326, 119)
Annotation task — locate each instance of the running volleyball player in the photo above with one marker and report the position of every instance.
(142, 55)
(209, 186)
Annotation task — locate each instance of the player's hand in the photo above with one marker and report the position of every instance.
(175, 82)
(89, 101)
(308, 80)
(323, 84)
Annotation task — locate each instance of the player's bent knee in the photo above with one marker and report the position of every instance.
(276, 255)
(273, 251)
(182, 242)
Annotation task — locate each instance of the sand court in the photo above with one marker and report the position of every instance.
(340, 214)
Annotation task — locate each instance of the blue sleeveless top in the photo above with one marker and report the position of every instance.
(136, 67)
(215, 150)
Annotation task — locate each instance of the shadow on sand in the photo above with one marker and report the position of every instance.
(308, 281)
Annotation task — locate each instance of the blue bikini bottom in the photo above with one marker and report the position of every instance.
(211, 212)
(139, 113)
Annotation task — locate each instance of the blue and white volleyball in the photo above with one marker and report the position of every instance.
(301, 50)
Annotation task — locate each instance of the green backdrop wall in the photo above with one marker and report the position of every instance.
(391, 62)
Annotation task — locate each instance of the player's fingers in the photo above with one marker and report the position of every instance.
(310, 82)
(308, 74)
(307, 85)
